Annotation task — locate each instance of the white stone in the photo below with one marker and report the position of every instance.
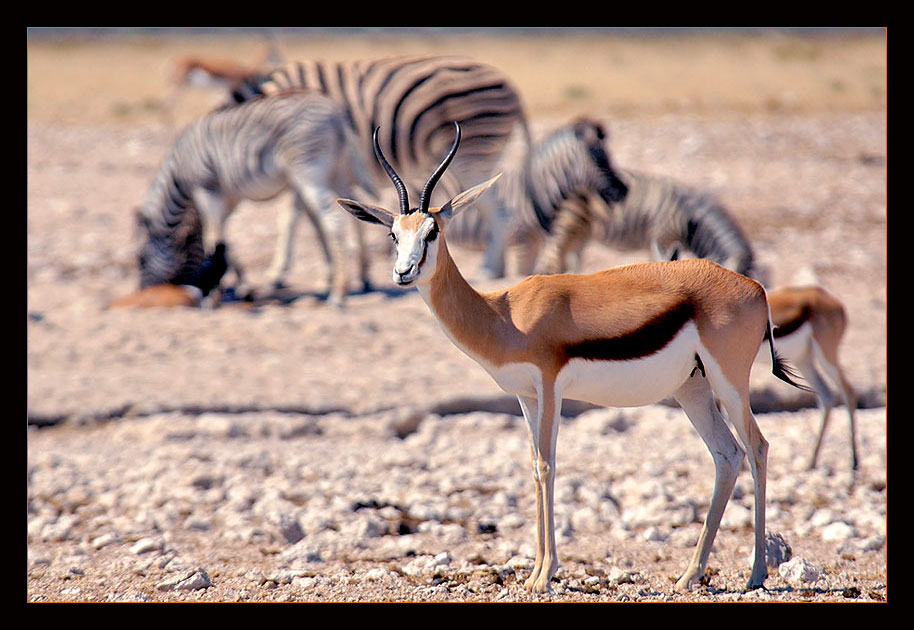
(798, 570)
(838, 531)
(145, 545)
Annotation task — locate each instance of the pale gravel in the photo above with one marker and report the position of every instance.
(303, 453)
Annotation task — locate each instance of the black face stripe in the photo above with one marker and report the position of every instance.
(650, 338)
(789, 327)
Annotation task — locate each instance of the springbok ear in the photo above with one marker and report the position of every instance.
(464, 199)
(367, 212)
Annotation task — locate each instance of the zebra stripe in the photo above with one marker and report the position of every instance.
(562, 197)
(254, 151)
(567, 166)
(415, 101)
(659, 214)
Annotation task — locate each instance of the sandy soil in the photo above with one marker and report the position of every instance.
(282, 452)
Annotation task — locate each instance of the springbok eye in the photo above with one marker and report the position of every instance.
(432, 235)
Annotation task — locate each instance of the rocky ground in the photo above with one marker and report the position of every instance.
(274, 452)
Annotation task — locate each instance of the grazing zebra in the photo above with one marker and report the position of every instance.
(809, 325)
(568, 165)
(658, 214)
(295, 141)
(415, 101)
(558, 202)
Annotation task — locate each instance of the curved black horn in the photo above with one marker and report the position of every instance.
(401, 187)
(426, 195)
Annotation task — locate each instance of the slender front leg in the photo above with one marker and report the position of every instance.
(543, 433)
(530, 407)
(364, 257)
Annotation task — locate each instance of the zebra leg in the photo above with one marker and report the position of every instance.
(571, 230)
(332, 232)
(364, 256)
(282, 256)
(529, 243)
(663, 253)
(214, 211)
(498, 228)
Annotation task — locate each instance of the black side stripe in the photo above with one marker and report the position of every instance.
(652, 337)
(790, 327)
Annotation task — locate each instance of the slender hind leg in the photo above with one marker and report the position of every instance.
(696, 399)
(824, 396)
(836, 374)
(734, 395)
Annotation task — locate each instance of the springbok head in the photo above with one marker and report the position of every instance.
(416, 230)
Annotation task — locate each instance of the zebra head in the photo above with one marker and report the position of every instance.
(416, 230)
(168, 255)
(597, 168)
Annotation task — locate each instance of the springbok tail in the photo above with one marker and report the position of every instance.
(779, 367)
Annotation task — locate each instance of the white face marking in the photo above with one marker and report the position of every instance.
(415, 252)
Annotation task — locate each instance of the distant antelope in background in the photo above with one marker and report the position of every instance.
(809, 325)
(224, 75)
(628, 336)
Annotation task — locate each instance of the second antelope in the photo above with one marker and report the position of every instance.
(809, 324)
(624, 337)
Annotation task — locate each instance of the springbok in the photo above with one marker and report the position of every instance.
(627, 336)
(809, 324)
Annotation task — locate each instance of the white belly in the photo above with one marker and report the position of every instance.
(630, 383)
(635, 382)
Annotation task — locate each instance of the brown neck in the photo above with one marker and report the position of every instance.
(478, 323)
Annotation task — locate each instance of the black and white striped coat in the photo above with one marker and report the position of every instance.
(256, 150)
(415, 100)
(659, 214)
(559, 200)
(568, 166)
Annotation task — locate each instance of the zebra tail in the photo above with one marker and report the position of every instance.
(779, 367)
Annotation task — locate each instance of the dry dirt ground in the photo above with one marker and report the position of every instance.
(297, 452)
